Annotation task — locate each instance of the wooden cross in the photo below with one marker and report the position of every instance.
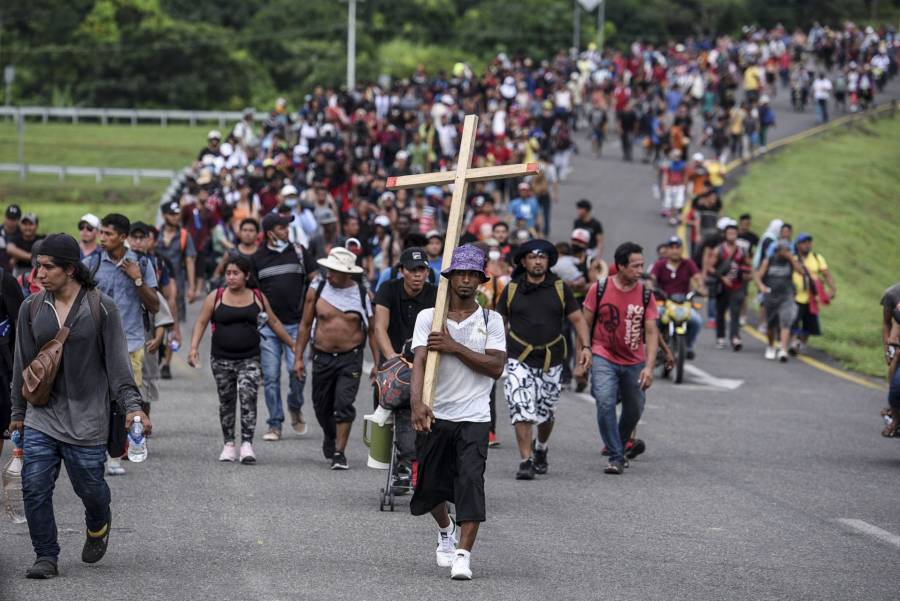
(460, 179)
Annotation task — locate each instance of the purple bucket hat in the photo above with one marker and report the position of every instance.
(467, 258)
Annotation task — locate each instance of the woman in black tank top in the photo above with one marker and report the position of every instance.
(236, 311)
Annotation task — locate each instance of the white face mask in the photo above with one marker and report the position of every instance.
(278, 245)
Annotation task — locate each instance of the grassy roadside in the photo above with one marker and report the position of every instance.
(844, 188)
(59, 205)
(94, 145)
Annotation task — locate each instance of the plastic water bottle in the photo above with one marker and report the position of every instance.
(13, 501)
(174, 345)
(137, 444)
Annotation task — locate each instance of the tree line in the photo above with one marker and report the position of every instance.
(209, 54)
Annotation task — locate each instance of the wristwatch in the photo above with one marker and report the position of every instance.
(139, 282)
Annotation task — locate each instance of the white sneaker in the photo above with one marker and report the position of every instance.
(228, 453)
(782, 356)
(446, 548)
(770, 353)
(114, 467)
(720, 343)
(461, 569)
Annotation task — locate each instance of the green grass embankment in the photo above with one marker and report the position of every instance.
(59, 204)
(843, 187)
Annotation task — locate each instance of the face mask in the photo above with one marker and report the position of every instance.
(494, 255)
(292, 202)
(278, 245)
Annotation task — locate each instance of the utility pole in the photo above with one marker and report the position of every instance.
(601, 22)
(351, 45)
(576, 26)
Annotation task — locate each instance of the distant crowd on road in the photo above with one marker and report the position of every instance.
(300, 259)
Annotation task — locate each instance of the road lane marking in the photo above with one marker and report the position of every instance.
(707, 379)
(839, 373)
(873, 531)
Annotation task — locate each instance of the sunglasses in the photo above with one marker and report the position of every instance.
(86, 226)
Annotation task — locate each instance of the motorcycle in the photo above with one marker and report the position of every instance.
(674, 315)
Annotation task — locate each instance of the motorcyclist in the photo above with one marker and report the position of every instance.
(673, 274)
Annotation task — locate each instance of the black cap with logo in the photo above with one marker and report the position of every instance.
(413, 258)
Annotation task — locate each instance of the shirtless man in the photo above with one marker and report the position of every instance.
(336, 317)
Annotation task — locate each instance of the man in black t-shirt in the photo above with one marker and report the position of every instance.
(397, 304)
(747, 240)
(8, 232)
(586, 221)
(535, 305)
(282, 278)
(19, 247)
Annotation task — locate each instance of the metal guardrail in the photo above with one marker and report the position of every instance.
(133, 116)
(98, 173)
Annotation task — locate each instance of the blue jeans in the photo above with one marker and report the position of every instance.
(610, 382)
(695, 324)
(84, 465)
(271, 351)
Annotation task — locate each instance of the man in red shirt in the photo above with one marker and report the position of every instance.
(623, 336)
(674, 274)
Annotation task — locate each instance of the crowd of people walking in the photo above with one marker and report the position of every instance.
(300, 259)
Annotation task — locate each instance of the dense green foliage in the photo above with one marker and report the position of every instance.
(213, 54)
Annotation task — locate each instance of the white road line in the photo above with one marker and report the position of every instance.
(701, 377)
(873, 531)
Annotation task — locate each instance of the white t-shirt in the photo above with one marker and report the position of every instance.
(461, 394)
(822, 89)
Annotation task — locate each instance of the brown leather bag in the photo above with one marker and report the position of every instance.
(38, 377)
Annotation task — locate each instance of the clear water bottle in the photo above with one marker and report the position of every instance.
(137, 443)
(174, 345)
(13, 501)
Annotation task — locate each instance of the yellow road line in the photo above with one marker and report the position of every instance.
(839, 373)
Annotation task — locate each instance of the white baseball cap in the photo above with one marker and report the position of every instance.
(288, 190)
(90, 219)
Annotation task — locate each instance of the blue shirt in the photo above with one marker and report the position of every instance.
(115, 283)
(525, 208)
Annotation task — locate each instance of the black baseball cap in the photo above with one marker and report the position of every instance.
(13, 212)
(270, 221)
(171, 208)
(139, 227)
(674, 241)
(413, 257)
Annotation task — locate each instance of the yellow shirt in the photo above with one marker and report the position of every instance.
(716, 173)
(815, 264)
(751, 78)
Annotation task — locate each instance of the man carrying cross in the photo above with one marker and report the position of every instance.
(450, 402)
(453, 441)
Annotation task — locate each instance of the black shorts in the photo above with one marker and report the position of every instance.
(806, 323)
(452, 458)
(335, 382)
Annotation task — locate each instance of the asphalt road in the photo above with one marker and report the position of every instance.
(749, 467)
